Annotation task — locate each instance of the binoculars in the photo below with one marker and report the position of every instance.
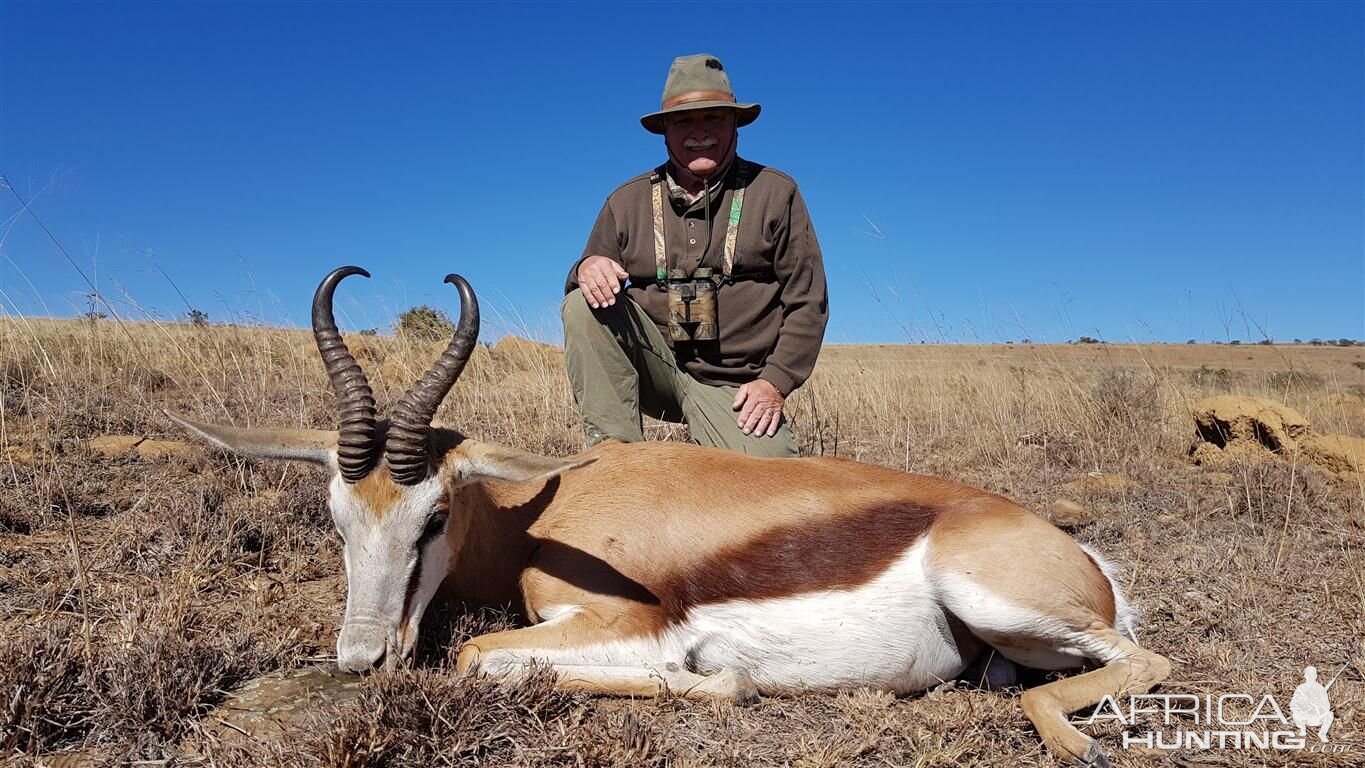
(691, 305)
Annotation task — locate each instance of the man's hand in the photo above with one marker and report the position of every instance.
(599, 278)
(761, 406)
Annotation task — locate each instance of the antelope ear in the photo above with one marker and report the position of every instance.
(473, 462)
(314, 446)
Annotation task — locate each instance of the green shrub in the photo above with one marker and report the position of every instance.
(425, 323)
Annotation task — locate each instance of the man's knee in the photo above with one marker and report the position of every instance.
(574, 311)
(779, 446)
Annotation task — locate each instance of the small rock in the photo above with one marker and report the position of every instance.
(114, 445)
(160, 449)
(1097, 482)
(1066, 513)
(263, 708)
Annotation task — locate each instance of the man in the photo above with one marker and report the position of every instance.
(705, 209)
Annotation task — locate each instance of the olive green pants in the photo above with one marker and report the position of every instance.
(620, 366)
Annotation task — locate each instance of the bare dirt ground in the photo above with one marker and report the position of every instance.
(141, 582)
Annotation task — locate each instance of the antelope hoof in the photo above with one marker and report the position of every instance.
(1094, 757)
(732, 684)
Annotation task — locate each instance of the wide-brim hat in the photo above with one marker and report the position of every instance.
(698, 82)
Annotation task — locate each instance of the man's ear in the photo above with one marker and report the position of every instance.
(314, 446)
(472, 462)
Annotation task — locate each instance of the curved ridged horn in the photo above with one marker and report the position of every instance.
(356, 449)
(407, 440)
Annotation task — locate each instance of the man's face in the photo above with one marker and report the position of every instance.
(701, 140)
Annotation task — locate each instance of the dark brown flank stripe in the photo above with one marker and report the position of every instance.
(838, 552)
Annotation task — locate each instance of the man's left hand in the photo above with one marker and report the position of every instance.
(760, 408)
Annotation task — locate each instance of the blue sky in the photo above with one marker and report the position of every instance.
(976, 172)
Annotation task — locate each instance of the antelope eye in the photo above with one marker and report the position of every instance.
(435, 525)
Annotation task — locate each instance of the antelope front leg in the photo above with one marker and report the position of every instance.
(732, 684)
(578, 653)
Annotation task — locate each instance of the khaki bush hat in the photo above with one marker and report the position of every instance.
(698, 82)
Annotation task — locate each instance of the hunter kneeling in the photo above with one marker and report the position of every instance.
(725, 308)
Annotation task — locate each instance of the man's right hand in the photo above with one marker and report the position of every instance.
(599, 278)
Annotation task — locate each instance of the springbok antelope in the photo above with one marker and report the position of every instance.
(651, 568)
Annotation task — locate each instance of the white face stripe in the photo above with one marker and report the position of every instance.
(383, 606)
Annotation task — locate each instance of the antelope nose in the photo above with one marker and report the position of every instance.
(361, 648)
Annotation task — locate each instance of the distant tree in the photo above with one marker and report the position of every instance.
(198, 318)
(1088, 340)
(425, 323)
(1315, 342)
(1235, 342)
(369, 332)
(1345, 343)
(1191, 341)
(1298, 341)
(1265, 342)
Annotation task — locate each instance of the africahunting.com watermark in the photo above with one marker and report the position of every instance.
(1176, 721)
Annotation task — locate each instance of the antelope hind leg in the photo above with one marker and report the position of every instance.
(1133, 670)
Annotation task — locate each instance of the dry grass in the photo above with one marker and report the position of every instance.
(136, 591)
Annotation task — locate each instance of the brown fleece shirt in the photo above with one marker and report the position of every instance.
(772, 317)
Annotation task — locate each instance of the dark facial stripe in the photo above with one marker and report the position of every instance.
(440, 512)
(414, 581)
(837, 552)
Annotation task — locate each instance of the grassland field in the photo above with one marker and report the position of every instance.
(138, 588)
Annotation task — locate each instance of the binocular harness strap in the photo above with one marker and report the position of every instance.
(731, 228)
(660, 257)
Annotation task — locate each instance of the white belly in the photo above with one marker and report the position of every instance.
(890, 634)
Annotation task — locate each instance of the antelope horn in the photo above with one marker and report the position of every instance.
(356, 447)
(407, 438)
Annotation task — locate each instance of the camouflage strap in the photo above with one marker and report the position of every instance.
(660, 257)
(731, 228)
